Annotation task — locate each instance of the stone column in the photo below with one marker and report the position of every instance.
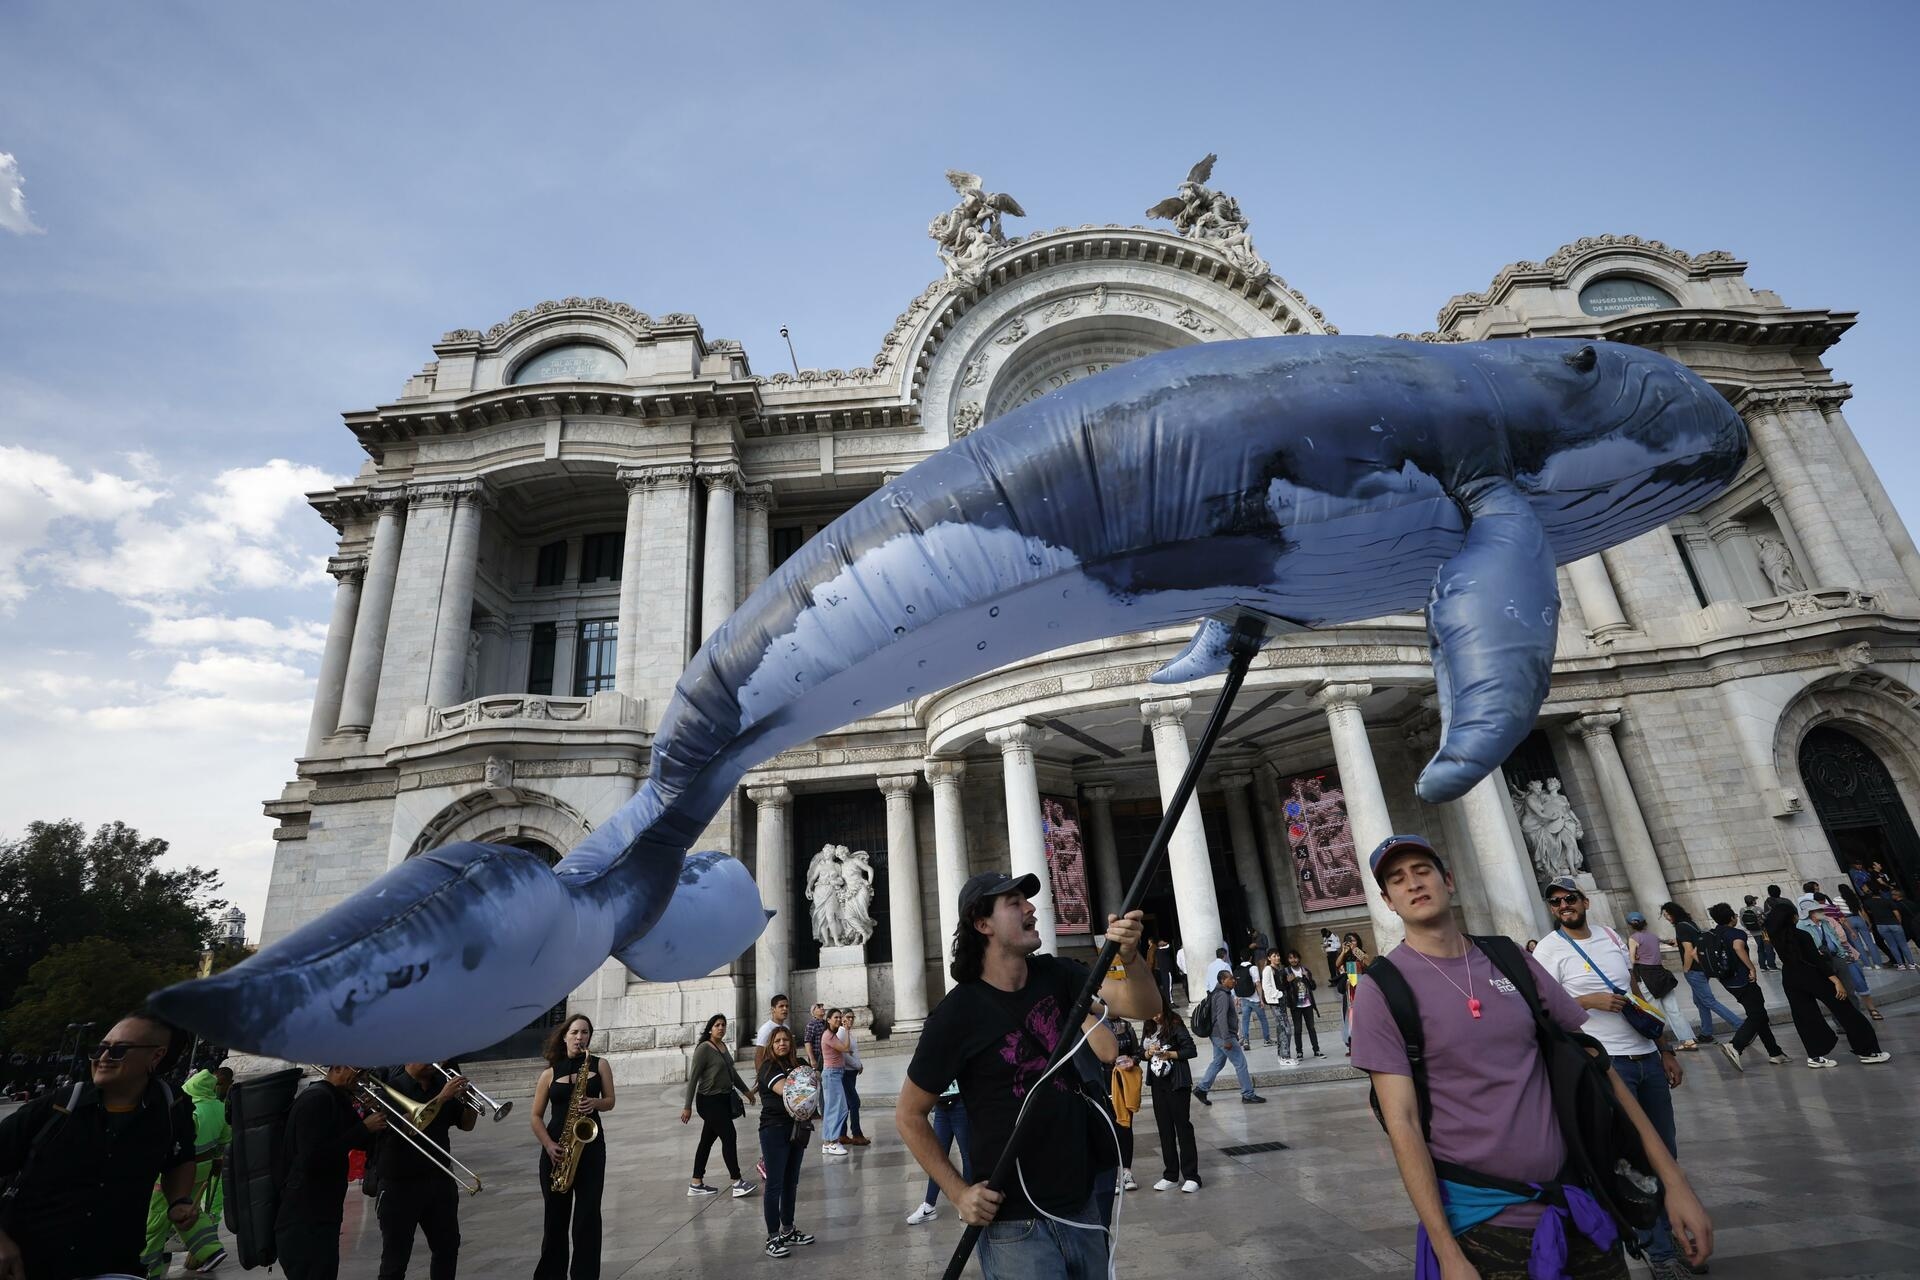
(370, 625)
(1740, 560)
(1645, 877)
(1195, 900)
(632, 581)
(949, 850)
(1104, 853)
(1281, 869)
(1246, 854)
(566, 648)
(662, 631)
(1598, 603)
(1828, 562)
(1828, 400)
(1367, 814)
(350, 571)
(773, 871)
(447, 676)
(1026, 843)
(758, 500)
(1506, 873)
(717, 567)
(903, 907)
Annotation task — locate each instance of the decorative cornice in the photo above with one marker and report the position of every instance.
(1806, 395)
(348, 568)
(638, 322)
(447, 493)
(1558, 266)
(647, 477)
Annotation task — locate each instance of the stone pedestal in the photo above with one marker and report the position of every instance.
(841, 981)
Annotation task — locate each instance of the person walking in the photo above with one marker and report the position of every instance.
(1884, 916)
(1687, 935)
(1743, 984)
(833, 1086)
(1170, 1052)
(1750, 922)
(1810, 952)
(322, 1127)
(1299, 986)
(949, 1120)
(1866, 940)
(416, 1195)
(1246, 985)
(201, 1237)
(783, 1142)
(714, 1089)
(1853, 958)
(573, 1215)
(1273, 997)
(1226, 1042)
(1656, 982)
(850, 1079)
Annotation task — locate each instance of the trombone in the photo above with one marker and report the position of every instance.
(473, 1096)
(409, 1119)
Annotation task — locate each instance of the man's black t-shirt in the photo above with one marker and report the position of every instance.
(1880, 910)
(400, 1160)
(996, 1043)
(321, 1127)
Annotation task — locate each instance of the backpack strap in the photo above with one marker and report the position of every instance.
(56, 1115)
(1393, 988)
(1511, 961)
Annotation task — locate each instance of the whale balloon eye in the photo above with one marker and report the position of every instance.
(1582, 360)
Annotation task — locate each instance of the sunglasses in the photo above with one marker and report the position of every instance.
(1562, 899)
(116, 1052)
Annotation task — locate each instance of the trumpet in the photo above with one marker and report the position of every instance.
(409, 1119)
(474, 1097)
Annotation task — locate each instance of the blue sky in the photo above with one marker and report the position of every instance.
(224, 225)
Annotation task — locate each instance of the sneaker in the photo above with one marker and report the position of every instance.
(793, 1235)
(702, 1189)
(832, 1149)
(1664, 1269)
(1190, 1186)
(743, 1188)
(1251, 1097)
(1200, 1096)
(777, 1247)
(1318, 1054)
(1733, 1056)
(925, 1213)
(1704, 1040)
(1817, 1063)
(1779, 1059)
(1870, 1059)
(1165, 1184)
(1127, 1183)
(859, 1140)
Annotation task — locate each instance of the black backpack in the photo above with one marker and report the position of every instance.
(256, 1166)
(1200, 1021)
(1604, 1151)
(1716, 957)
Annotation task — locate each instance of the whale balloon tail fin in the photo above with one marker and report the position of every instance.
(1210, 651)
(713, 917)
(1492, 621)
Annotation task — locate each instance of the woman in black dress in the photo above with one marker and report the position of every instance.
(1169, 1054)
(578, 1211)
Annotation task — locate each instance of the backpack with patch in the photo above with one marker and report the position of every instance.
(1715, 956)
(1200, 1021)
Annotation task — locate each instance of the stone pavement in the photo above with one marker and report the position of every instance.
(1806, 1173)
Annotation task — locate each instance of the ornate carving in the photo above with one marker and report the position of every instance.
(725, 475)
(1777, 563)
(1335, 695)
(1551, 828)
(1595, 725)
(436, 493)
(969, 233)
(1191, 320)
(1019, 693)
(505, 706)
(966, 418)
(1015, 332)
(460, 335)
(772, 792)
(757, 497)
(1135, 303)
(1808, 604)
(1201, 213)
(1060, 309)
(1560, 263)
(944, 773)
(840, 887)
(1165, 711)
(638, 320)
(897, 784)
(1781, 400)
(1014, 740)
(499, 773)
(976, 370)
(1855, 656)
(348, 569)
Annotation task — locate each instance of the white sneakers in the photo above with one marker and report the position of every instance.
(1189, 1186)
(1289, 1062)
(832, 1149)
(1779, 1059)
(1165, 1184)
(1127, 1183)
(925, 1213)
(1733, 1056)
(1870, 1059)
(1817, 1063)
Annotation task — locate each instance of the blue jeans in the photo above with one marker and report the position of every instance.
(1646, 1080)
(782, 1156)
(1708, 1004)
(1248, 1010)
(1767, 959)
(1283, 1029)
(1036, 1249)
(850, 1085)
(1862, 940)
(1223, 1053)
(1896, 939)
(949, 1122)
(833, 1104)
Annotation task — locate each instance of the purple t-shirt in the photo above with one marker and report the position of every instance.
(1492, 1107)
(1646, 947)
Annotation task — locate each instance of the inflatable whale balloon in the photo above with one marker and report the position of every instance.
(1309, 481)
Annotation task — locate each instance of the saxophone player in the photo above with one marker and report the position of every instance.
(573, 1083)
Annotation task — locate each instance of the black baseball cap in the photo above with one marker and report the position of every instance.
(991, 884)
(1392, 846)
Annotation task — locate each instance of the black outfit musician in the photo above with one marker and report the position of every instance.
(322, 1126)
(416, 1191)
(576, 1213)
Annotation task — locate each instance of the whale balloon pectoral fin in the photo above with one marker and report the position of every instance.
(713, 917)
(1492, 620)
(1210, 652)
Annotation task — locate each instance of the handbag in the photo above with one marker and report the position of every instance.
(736, 1105)
(1658, 979)
(1645, 1020)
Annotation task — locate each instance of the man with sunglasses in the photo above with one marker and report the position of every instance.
(84, 1161)
(1594, 966)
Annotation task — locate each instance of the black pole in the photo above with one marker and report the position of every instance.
(1244, 644)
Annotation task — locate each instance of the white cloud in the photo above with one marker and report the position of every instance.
(237, 676)
(13, 200)
(37, 489)
(246, 633)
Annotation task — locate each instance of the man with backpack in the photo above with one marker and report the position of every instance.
(1217, 1018)
(1494, 1106)
(84, 1160)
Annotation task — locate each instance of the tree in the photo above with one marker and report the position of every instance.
(94, 980)
(60, 885)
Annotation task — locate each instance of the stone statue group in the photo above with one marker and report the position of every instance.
(1552, 829)
(840, 887)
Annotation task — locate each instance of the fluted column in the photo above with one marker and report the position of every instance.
(657, 646)
(1026, 842)
(448, 671)
(1195, 901)
(758, 501)
(1906, 555)
(717, 567)
(1105, 853)
(903, 907)
(1246, 853)
(1506, 873)
(1767, 415)
(1598, 602)
(949, 850)
(773, 871)
(1367, 815)
(370, 624)
(632, 582)
(1645, 877)
(331, 688)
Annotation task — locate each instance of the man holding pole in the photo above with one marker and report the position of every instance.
(995, 1032)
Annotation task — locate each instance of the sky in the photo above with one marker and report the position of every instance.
(224, 225)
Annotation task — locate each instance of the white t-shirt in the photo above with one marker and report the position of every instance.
(1214, 971)
(1606, 949)
(1330, 944)
(766, 1029)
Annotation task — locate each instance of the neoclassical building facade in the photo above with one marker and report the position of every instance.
(557, 509)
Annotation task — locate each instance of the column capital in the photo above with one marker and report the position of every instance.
(348, 569)
(1235, 780)
(1599, 724)
(448, 493)
(388, 501)
(757, 497)
(771, 793)
(673, 474)
(944, 773)
(898, 784)
(1015, 737)
(721, 475)
(1805, 395)
(1333, 695)
(1165, 711)
(1099, 792)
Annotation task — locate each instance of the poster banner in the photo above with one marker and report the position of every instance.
(1321, 841)
(1066, 864)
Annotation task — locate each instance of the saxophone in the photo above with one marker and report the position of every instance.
(581, 1128)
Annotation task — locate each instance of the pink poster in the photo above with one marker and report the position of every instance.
(1321, 841)
(1066, 863)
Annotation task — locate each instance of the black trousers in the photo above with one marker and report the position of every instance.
(1754, 1003)
(576, 1213)
(1816, 1035)
(1304, 1031)
(1179, 1151)
(432, 1207)
(716, 1122)
(308, 1251)
(1126, 1144)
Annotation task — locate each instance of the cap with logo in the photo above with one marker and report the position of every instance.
(1392, 847)
(991, 884)
(1563, 884)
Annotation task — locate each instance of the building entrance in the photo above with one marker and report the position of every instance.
(1859, 807)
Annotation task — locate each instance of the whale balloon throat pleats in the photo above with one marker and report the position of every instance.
(1311, 481)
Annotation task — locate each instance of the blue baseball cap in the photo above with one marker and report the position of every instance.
(1393, 845)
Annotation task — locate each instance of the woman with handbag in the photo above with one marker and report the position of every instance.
(789, 1095)
(1656, 982)
(715, 1089)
